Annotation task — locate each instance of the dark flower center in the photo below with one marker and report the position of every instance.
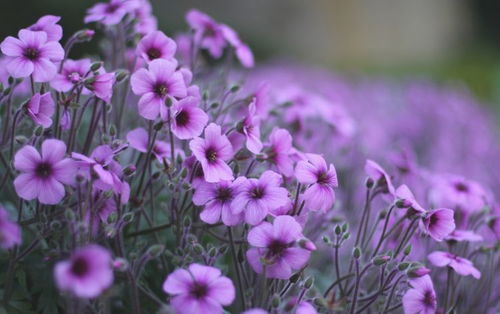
(182, 118)
(209, 30)
(257, 193)
(429, 298)
(199, 290)
(111, 8)
(43, 170)
(461, 187)
(153, 53)
(74, 77)
(32, 53)
(322, 177)
(79, 267)
(160, 89)
(211, 154)
(276, 247)
(224, 194)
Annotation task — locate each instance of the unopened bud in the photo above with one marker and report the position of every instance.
(85, 35)
(345, 226)
(235, 88)
(96, 66)
(198, 249)
(380, 260)
(214, 105)
(129, 170)
(20, 139)
(338, 230)
(295, 277)
(403, 203)
(419, 271)
(407, 250)
(356, 253)
(158, 126)
(309, 282)
(156, 250)
(369, 183)
(38, 131)
(403, 266)
(307, 244)
(128, 217)
(168, 102)
(121, 75)
(112, 130)
(120, 264)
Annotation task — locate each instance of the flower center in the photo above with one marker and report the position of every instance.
(199, 290)
(80, 267)
(257, 193)
(276, 247)
(74, 77)
(153, 53)
(211, 155)
(111, 8)
(224, 194)
(182, 118)
(43, 170)
(433, 220)
(322, 177)
(31, 53)
(429, 298)
(160, 89)
(461, 187)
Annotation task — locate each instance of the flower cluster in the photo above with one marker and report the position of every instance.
(164, 177)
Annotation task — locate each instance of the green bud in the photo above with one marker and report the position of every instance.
(112, 130)
(96, 66)
(356, 253)
(198, 249)
(21, 139)
(403, 266)
(55, 225)
(345, 226)
(214, 105)
(7, 90)
(158, 126)
(309, 282)
(105, 139)
(338, 230)
(319, 302)
(295, 277)
(121, 75)
(128, 217)
(168, 102)
(156, 250)
(212, 252)
(407, 250)
(184, 173)
(235, 88)
(380, 260)
(326, 239)
(69, 214)
(38, 131)
(346, 236)
(275, 301)
(112, 218)
(186, 186)
(369, 183)
(1, 87)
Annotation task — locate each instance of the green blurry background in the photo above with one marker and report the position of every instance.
(447, 40)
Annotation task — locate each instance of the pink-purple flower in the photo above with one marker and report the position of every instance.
(87, 273)
(251, 129)
(48, 24)
(421, 297)
(73, 72)
(278, 151)
(156, 45)
(321, 180)
(242, 51)
(275, 248)
(212, 152)
(10, 232)
(43, 175)
(138, 139)
(101, 84)
(110, 13)
(460, 265)
(199, 289)
(188, 120)
(208, 33)
(459, 193)
(32, 54)
(439, 223)
(154, 85)
(380, 178)
(40, 109)
(258, 197)
(217, 201)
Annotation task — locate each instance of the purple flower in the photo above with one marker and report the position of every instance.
(279, 149)
(188, 120)
(321, 179)
(156, 45)
(42, 175)
(208, 33)
(459, 264)
(138, 139)
(379, 177)
(87, 273)
(40, 108)
(439, 223)
(217, 201)
(72, 74)
(243, 52)
(464, 235)
(145, 21)
(251, 129)
(212, 152)
(421, 298)
(458, 193)
(10, 232)
(102, 85)
(258, 197)
(48, 24)
(275, 245)
(199, 289)
(110, 13)
(32, 54)
(155, 85)
(404, 194)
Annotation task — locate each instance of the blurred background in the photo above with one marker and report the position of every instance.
(446, 40)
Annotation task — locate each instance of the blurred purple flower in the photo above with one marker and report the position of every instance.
(199, 289)
(464, 235)
(274, 248)
(110, 13)
(101, 85)
(156, 45)
(421, 298)
(461, 265)
(138, 139)
(72, 73)
(439, 223)
(32, 54)
(251, 129)
(381, 179)
(40, 108)
(48, 24)
(278, 151)
(243, 52)
(87, 273)
(208, 33)
(10, 232)
(212, 152)
(154, 85)
(42, 176)
(458, 193)
(321, 180)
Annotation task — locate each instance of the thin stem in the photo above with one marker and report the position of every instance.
(236, 267)
(356, 288)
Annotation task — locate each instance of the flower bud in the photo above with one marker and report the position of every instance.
(21, 139)
(156, 250)
(129, 170)
(346, 236)
(112, 130)
(403, 203)
(214, 105)
(235, 88)
(295, 277)
(380, 260)
(128, 217)
(356, 253)
(369, 183)
(309, 282)
(345, 226)
(212, 252)
(120, 264)
(69, 214)
(307, 244)
(407, 250)
(112, 218)
(198, 249)
(275, 301)
(168, 102)
(338, 230)
(38, 131)
(121, 75)
(419, 271)
(320, 302)
(95, 66)
(403, 266)
(1, 87)
(84, 35)
(159, 125)
(326, 239)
